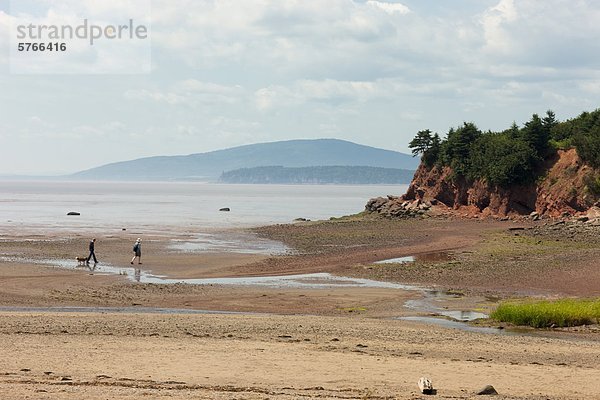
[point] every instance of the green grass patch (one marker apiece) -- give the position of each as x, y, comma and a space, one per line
545, 314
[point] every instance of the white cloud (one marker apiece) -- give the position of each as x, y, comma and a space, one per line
390, 8
494, 23
336, 90
552, 33
189, 92
305, 91
266, 98
144, 94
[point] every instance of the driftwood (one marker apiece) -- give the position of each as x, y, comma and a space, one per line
425, 385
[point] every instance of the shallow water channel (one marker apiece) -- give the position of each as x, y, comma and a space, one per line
437, 256
433, 302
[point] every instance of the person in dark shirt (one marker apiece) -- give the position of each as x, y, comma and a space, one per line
92, 254
137, 251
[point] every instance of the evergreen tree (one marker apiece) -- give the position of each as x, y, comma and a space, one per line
458, 147
421, 142
502, 160
549, 121
536, 135
426, 144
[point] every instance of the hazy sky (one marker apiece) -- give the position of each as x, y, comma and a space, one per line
232, 72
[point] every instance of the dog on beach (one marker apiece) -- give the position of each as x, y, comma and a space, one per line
81, 260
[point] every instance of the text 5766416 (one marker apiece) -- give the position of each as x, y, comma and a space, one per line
34, 46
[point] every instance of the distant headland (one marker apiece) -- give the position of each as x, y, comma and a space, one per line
318, 154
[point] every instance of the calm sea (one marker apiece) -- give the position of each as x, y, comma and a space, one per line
164, 207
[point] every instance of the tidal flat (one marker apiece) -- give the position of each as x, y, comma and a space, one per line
289, 341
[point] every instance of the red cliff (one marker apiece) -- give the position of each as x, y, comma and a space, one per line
561, 192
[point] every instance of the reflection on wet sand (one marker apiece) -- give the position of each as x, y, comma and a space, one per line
438, 256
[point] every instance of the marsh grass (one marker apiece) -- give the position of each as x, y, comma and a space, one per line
544, 314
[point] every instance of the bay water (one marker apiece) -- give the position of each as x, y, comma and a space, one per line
164, 207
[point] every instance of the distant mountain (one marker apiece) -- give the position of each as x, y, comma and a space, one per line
352, 175
292, 153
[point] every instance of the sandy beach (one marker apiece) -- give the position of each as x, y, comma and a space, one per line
270, 341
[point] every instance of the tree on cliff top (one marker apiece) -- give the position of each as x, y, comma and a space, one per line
426, 144
500, 158
514, 155
455, 151
536, 133
588, 146
502, 161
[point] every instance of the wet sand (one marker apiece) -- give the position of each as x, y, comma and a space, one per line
334, 342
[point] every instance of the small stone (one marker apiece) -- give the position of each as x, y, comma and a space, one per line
487, 390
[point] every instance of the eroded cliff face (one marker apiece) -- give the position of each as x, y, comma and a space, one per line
562, 192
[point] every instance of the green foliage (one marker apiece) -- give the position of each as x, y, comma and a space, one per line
515, 155
582, 132
421, 142
582, 124
543, 314
426, 144
588, 146
536, 135
318, 175
513, 132
563, 144
502, 160
456, 150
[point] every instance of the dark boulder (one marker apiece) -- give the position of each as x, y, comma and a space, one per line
487, 390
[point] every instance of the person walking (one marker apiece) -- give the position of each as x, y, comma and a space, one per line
137, 251
92, 254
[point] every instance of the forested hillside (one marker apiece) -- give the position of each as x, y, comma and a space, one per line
545, 166
352, 175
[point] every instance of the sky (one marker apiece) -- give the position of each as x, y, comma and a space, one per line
215, 74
